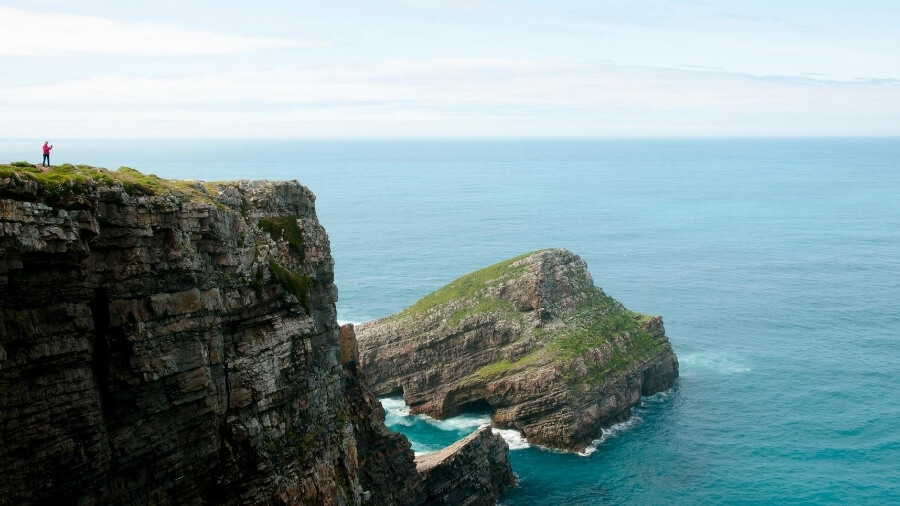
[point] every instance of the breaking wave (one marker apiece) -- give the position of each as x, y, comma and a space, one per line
513, 438
609, 432
415, 427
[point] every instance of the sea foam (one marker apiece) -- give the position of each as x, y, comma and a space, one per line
513, 438
609, 432
710, 362
397, 414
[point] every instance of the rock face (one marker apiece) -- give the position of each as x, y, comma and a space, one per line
531, 338
164, 345
448, 477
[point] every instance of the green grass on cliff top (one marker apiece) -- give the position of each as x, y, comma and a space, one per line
64, 179
469, 286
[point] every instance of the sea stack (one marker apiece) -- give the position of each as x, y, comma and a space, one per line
533, 340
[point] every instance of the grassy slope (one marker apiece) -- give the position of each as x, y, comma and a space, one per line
598, 325
471, 287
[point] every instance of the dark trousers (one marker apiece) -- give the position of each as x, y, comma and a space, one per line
46, 162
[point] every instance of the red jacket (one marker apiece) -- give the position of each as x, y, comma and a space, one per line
47, 149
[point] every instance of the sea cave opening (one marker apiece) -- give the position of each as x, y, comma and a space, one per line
475, 406
397, 391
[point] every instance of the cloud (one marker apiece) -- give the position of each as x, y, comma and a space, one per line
456, 97
27, 33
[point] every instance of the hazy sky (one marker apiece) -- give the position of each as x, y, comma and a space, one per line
454, 68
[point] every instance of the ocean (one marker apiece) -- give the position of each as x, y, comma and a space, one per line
775, 264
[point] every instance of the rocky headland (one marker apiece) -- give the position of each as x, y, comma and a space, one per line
174, 342
531, 339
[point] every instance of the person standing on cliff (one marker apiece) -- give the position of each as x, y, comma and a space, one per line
47, 148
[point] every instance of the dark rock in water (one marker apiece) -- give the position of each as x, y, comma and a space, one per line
167, 342
451, 477
530, 338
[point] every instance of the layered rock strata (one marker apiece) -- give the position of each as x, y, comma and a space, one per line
473, 471
533, 340
177, 343
448, 477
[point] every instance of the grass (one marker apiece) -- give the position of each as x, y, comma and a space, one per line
602, 324
596, 338
594, 333
485, 305
640, 346
285, 227
60, 181
469, 286
501, 368
297, 285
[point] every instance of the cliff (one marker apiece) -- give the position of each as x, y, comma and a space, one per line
447, 480
531, 338
176, 343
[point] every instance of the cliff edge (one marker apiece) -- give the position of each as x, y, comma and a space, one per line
533, 340
174, 342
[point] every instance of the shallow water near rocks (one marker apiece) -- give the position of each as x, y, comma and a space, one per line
775, 265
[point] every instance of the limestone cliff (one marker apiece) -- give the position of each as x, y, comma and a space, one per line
531, 338
176, 343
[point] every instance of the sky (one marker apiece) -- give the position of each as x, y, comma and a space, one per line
88, 69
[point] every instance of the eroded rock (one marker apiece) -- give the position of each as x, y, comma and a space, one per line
531, 338
473, 471
170, 349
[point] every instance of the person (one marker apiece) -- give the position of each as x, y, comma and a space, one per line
47, 148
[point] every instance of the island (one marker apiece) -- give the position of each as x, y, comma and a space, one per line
531, 340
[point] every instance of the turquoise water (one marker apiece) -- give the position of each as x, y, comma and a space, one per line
775, 264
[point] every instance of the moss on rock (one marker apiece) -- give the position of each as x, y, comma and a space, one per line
60, 181
285, 228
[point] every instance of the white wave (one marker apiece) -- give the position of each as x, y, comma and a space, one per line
609, 432
657, 397
395, 405
513, 438
396, 412
711, 362
459, 423
344, 322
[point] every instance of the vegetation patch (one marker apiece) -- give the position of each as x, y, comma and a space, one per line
285, 227
297, 285
595, 333
485, 305
470, 285
605, 326
503, 367
60, 181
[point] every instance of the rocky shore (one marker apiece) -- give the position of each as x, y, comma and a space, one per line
531, 339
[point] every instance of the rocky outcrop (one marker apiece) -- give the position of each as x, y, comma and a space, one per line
386, 472
531, 338
177, 343
450, 474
